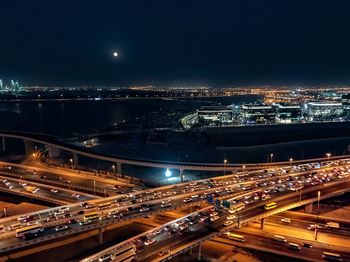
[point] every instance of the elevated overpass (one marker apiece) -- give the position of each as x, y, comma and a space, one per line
55, 144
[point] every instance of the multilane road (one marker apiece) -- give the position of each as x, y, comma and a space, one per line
327, 182
63, 178
144, 203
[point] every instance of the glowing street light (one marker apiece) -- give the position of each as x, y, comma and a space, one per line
225, 162
328, 155
113, 167
290, 161
71, 161
243, 167
168, 174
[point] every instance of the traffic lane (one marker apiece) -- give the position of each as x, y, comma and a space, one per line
77, 180
44, 190
175, 187
258, 241
63, 181
307, 224
314, 218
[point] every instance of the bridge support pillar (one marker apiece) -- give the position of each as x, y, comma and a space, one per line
308, 208
3, 143
262, 222
181, 172
75, 159
53, 152
119, 168
28, 147
100, 235
199, 257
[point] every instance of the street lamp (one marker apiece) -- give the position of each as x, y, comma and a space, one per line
225, 162
271, 157
168, 174
71, 162
328, 156
290, 161
113, 167
94, 187
243, 168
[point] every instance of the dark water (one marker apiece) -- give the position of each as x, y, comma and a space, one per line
64, 118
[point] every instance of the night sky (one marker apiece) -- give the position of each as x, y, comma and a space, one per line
180, 42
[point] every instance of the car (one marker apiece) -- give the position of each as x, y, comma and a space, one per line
285, 220
149, 242
307, 245
53, 190
204, 219
23, 184
8, 167
163, 252
144, 209
61, 228
106, 257
76, 195
84, 222
104, 217
157, 232
84, 204
49, 219
214, 218
187, 200
72, 221
166, 204
214, 214
35, 190
43, 177
113, 212
29, 236
313, 226
228, 223
63, 209
88, 206
14, 226
230, 217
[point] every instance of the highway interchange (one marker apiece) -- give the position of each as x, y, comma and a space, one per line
245, 186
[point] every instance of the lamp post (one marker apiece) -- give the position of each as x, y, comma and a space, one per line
113, 167
225, 162
71, 162
328, 156
94, 187
167, 174
243, 168
290, 161
271, 157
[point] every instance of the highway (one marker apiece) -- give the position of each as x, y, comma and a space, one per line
254, 210
125, 207
63, 178
50, 194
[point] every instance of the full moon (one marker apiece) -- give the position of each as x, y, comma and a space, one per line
115, 54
